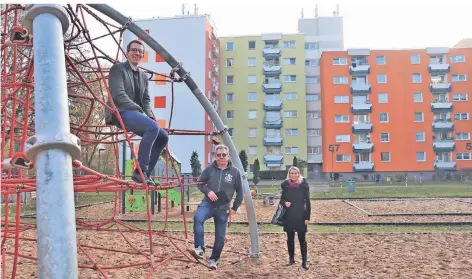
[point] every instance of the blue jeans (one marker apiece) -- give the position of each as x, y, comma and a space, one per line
153, 138
204, 212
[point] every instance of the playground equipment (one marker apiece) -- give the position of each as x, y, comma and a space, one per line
44, 131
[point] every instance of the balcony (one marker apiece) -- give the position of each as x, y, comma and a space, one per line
361, 89
272, 52
216, 50
441, 106
359, 70
362, 147
440, 87
273, 123
443, 126
439, 68
362, 128
444, 166
361, 108
272, 70
216, 70
444, 146
273, 141
273, 160
272, 105
363, 167
272, 87
314, 158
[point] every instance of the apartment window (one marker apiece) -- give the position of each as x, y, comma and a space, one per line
420, 136
416, 78
312, 63
251, 79
312, 80
384, 137
419, 117
461, 116
382, 78
289, 44
252, 96
312, 97
457, 59
229, 46
291, 150
251, 61
339, 61
209, 74
313, 150
463, 156
252, 150
229, 62
313, 132
229, 79
290, 61
383, 98
229, 97
380, 60
272, 97
459, 78
341, 99
460, 97
229, 114
344, 118
290, 96
462, 136
252, 45
343, 138
340, 80
290, 114
313, 114
418, 97
252, 132
420, 156
309, 46
385, 157
290, 78
383, 117
252, 114
415, 59
231, 132
343, 158
291, 132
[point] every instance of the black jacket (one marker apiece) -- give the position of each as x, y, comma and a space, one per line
300, 208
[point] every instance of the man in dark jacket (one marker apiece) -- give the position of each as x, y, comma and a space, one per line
130, 93
221, 180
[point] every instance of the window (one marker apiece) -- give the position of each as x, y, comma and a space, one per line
312, 97
252, 114
229, 114
381, 60
339, 61
341, 99
343, 158
252, 45
344, 118
229, 46
383, 117
251, 79
463, 156
252, 96
385, 156
231, 132
291, 132
459, 78
313, 114
416, 78
415, 59
290, 78
383, 98
420, 156
252, 132
313, 150
290, 114
290, 61
418, 97
420, 136
313, 132
460, 97
312, 80
272, 97
289, 44
229, 79
461, 116
309, 46
252, 150
290, 96
462, 136
251, 61
382, 78
229, 97
312, 63
340, 80
457, 59
229, 62
291, 150
419, 117
343, 138
384, 137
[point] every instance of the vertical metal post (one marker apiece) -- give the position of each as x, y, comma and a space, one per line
53, 150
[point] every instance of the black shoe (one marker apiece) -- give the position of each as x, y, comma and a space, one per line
305, 265
136, 177
156, 183
291, 260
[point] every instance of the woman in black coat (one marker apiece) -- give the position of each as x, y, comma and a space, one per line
296, 199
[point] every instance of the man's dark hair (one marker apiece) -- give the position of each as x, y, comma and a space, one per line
134, 42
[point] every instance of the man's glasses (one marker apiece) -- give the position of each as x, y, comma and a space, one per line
140, 51
221, 155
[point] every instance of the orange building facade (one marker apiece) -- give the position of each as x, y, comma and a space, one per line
396, 110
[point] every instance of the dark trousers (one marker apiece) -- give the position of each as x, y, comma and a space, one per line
291, 244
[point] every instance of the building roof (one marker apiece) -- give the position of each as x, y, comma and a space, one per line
465, 43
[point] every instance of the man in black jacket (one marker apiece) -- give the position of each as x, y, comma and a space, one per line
221, 180
130, 93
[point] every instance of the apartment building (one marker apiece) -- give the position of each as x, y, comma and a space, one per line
263, 97
396, 110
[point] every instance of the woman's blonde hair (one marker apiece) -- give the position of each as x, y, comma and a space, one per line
300, 178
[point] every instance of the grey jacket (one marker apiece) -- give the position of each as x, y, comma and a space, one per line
228, 180
121, 83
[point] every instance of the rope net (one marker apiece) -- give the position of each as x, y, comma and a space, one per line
88, 93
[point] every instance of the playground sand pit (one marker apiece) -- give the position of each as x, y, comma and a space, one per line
431, 206
387, 255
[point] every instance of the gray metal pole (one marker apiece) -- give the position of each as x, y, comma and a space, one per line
53, 147
148, 40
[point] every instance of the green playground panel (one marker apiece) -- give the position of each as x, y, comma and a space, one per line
136, 203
